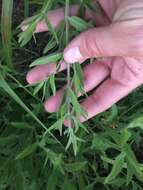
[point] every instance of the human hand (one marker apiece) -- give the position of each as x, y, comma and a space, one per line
117, 42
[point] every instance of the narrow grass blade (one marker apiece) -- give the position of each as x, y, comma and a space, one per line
52, 30
27, 151
26, 8
53, 58
6, 31
78, 23
5, 86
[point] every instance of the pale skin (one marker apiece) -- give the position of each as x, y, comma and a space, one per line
116, 42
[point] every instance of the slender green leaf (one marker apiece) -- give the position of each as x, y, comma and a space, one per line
26, 35
52, 30
21, 125
6, 31
5, 86
26, 8
76, 166
53, 58
78, 23
113, 114
101, 144
76, 106
52, 84
129, 174
117, 167
27, 151
124, 137
8, 140
55, 126
51, 44
133, 163
136, 123
79, 73
38, 87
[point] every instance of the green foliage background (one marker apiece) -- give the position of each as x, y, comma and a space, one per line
110, 157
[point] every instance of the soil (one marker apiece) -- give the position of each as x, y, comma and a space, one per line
18, 13
22, 57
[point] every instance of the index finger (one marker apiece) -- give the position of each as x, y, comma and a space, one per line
55, 17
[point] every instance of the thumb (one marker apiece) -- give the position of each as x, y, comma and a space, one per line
117, 39
96, 42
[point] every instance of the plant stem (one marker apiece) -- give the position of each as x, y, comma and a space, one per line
68, 64
26, 8
6, 30
66, 20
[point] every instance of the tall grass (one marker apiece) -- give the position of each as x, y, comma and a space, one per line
26, 8
6, 30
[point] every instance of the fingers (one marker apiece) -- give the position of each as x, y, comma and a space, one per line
91, 43
41, 72
104, 97
126, 75
94, 74
55, 17
53, 103
123, 38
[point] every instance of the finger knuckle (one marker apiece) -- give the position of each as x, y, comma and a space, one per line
90, 45
129, 17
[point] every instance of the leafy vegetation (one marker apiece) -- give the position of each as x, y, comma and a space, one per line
37, 152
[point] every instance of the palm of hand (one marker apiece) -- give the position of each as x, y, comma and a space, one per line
119, 72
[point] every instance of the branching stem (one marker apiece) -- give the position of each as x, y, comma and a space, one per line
68, 64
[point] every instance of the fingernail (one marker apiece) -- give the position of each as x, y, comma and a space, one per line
50, 107
73, 55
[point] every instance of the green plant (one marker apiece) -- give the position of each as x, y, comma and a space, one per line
70, 109
32, 152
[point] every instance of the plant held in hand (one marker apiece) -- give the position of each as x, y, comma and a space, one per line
69, 110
